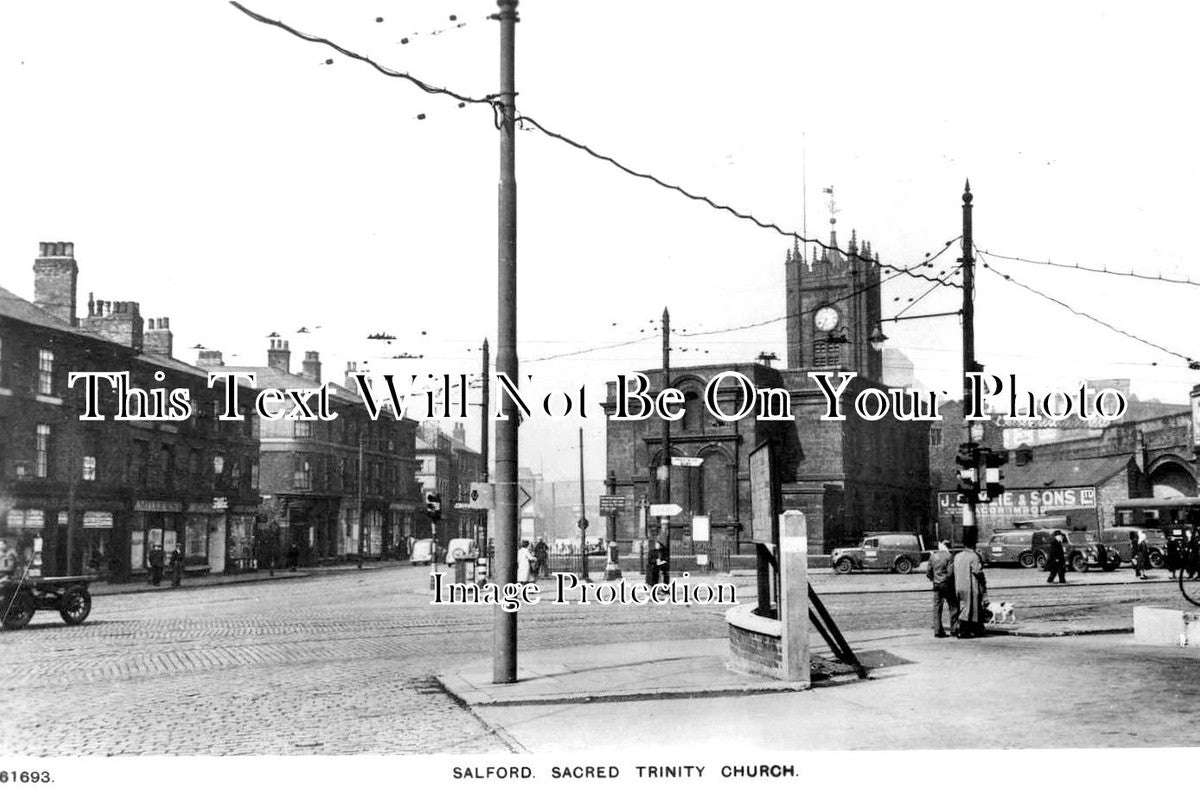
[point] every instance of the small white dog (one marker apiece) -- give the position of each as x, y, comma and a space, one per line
1001, 612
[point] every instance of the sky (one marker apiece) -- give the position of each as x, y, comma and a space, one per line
221, 173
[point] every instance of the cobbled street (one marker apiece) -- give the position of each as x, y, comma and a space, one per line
343, 662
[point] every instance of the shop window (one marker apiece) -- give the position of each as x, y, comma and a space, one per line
42, 455
935, 437
45, 372
303, 429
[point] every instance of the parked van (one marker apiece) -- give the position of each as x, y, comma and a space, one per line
1116, 540
1008, 548
899, 552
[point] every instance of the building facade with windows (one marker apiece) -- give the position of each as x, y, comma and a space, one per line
94, 496
334, 489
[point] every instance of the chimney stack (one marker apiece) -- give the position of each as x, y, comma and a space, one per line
207, 359
278, 356
460, 433
158, 339
55, 277
311, 366
118, 321
351, 368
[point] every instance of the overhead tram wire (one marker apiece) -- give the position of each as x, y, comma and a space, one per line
1096, 270
1192, 363
926, 263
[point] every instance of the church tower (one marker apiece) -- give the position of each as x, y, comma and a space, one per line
833, 307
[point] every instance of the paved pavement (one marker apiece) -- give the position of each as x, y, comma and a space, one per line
345, 662
924, 693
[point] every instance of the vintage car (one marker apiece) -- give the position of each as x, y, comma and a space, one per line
1009, 548
890, 550
1083, 550
1116, 541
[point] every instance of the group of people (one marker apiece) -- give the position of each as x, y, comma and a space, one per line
156, 560
533, 562
959, 585
1183, 555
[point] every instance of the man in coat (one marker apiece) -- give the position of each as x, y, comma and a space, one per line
969, 585
940, 571
156, 559
1056, 563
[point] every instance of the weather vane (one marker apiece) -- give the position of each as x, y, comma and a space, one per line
833, 209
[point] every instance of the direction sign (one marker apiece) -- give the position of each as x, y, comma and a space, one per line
686, 461
665, 509
528, 496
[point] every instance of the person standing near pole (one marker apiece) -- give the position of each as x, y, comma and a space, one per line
940, 571
969, 585
176, 567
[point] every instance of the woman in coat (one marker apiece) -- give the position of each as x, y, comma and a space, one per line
970, 586
524, 562
1141, 559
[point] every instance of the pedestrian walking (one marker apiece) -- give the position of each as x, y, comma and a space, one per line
970, 585
541, 559
155, 561
1056, 562
293, 556
1175, 554
940, 571
1141, 554
176, 565
524, 563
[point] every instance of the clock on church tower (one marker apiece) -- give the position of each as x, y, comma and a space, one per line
833, 306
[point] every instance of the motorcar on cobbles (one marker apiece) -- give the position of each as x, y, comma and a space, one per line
1009, 548
1083, 550
892, 551
1116, 541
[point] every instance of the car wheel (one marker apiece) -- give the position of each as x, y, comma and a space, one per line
1156, 560
1079, 563
75, 606
903, 566
20, 611
1027, 561
1040, 561
1112, 565
843, 566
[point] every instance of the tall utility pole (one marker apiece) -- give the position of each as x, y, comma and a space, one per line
665, 468
504, 659
583, 522
968, 270
483, 445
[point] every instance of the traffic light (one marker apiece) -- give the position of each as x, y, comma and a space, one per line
992, 462
433, 505
968, 471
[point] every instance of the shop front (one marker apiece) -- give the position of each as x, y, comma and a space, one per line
154, 523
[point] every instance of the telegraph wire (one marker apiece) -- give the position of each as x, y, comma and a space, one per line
1098, 270
922, 297
1192, 363
523, 121
771, 226
488, 100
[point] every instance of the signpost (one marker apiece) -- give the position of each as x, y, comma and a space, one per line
665, 509
686, 461
611, 504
